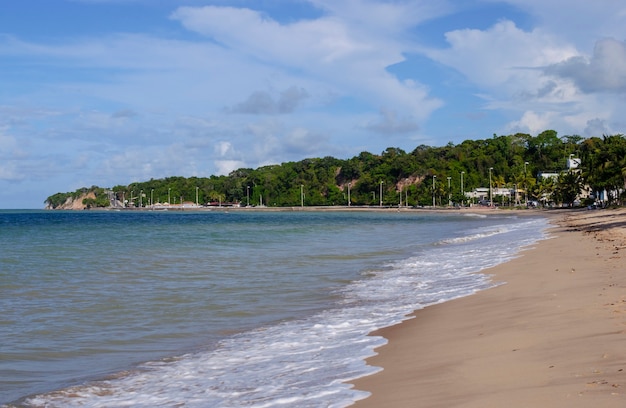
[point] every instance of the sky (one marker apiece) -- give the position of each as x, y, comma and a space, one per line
109, 92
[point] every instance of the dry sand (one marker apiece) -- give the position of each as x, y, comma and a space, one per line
553, 336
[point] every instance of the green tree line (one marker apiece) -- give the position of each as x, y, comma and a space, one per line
415, 178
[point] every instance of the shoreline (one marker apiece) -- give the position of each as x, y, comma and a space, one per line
553, 335
337, 208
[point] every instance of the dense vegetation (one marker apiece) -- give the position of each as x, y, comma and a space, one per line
101, 200
420, 177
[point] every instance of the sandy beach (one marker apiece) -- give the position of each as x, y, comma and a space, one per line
553, 336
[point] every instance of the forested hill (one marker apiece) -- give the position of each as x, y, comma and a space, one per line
418, 176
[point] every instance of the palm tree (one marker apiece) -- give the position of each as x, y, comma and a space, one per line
545, 190
216, 196
499, 182
568, 187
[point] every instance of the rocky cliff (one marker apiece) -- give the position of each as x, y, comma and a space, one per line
73, 203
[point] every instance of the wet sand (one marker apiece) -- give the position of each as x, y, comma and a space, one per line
553, 336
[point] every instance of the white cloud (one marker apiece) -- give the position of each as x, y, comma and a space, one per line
386, 17
224, 167
142, 72
300, 142
542, 75
347, 58
532, 122
605, 71
262, 102
503, 56
223, 148
580, 22
596, 127
390, 123
301, 43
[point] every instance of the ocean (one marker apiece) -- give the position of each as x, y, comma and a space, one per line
239, 308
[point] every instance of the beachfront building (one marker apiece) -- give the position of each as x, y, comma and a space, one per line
480, 195
572, 165
600, 197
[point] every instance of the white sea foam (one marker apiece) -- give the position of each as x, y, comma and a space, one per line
472, 237
308, 362
475, 215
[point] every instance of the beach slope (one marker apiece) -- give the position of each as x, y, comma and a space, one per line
553, 336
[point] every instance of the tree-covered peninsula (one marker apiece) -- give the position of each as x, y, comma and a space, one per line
534, 168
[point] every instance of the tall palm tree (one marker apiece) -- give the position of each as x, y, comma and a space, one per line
499, 182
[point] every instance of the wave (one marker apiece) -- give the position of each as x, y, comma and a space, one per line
474, 215
469, 238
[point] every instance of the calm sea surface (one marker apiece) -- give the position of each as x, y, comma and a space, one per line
223, 309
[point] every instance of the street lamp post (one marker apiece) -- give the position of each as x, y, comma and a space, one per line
152, 198
490, 192
301, 195
525, 185
248, 196
140, 198
462, 193
196, 196
449, 193
434, 177
381, 193
169, 197
349, 202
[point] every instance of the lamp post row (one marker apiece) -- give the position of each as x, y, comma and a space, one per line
349, 203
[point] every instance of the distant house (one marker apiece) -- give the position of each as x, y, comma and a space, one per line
548, 175
481, 194
573, 162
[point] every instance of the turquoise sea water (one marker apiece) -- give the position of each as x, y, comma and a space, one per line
223, 309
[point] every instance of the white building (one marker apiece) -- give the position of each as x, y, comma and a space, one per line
481, 194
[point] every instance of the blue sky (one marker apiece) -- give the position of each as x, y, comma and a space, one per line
107, 92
